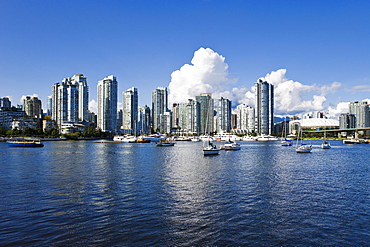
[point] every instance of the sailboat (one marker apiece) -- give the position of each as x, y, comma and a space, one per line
285, 141
301, 147
208, 147
325, 144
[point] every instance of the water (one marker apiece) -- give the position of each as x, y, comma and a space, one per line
82, 193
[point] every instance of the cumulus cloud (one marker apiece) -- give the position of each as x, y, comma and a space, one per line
207, 73
24, 97
293, 97
341, 107
93, 106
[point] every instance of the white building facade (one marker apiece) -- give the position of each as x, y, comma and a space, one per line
130, 110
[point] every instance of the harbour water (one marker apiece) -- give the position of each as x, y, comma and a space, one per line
81, 193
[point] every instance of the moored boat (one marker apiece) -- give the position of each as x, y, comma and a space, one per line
32, 143
231, 146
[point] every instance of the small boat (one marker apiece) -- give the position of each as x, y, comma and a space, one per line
209, 148
125, 138
304, 148
325, 145
231, 146
165, 143
286, 142
29, 143
140, 140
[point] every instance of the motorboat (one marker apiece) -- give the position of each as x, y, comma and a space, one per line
249, 138
125, 138
165, 143
231, 146
325, 145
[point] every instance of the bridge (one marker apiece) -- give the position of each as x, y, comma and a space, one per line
356, 130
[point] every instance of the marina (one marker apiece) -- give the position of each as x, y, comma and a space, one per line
126, 194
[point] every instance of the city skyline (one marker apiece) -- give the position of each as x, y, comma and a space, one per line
319, 49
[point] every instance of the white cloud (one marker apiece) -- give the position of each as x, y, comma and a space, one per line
341, 107
24, 96
360, 89
93, 106
207, 73
293, 97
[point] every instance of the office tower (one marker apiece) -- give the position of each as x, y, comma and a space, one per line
107, 104
130, 110
49, 110
206, 112
32, 107
361, 112
176, 116
5, 103
245, 118
144, 120
264, 107
189, 117
70, 100
347, 121
223, 115
165, 123
83, 96
159, 106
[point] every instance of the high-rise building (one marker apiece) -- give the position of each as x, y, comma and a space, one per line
5, 103
189, 117
70, 100
83, 96
361, 112
49, 110
107, 104
264, 107
347, 121
130, 110
159, 106
176, 116
144, 120
223, 115
32, 107
206, 112
245, 118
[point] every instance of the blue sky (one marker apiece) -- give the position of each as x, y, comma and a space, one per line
143, 42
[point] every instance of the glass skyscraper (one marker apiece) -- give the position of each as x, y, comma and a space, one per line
107, 104
130, 110
264, 107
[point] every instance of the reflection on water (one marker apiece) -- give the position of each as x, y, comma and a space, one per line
85, 193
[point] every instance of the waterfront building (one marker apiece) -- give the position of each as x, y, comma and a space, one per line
159, 107
107, 104
70, 100
144, 120
264, 116
206, 112
189, 117
165, 123
223, 115
245, 118
130, 110
361, 112
9, 115
347, 121
312, 124
49, 105
176, 115
5, 103
32, 107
